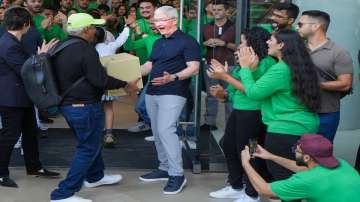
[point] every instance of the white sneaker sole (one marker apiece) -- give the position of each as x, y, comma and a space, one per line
153, 180
178, 191
98, 184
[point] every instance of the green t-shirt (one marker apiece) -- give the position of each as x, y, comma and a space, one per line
321, 184
239, 99
93, 5
145, 42
55, 31
145, 28
281, 111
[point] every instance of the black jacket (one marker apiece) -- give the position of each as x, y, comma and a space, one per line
12, 57
77, 60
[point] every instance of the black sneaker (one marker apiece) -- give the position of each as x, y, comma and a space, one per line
7, 182
175, 184
44, 173
156, 175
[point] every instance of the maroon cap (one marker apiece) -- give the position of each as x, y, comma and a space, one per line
319, 148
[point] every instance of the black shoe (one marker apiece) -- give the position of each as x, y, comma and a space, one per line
208, 127
156, 175
175, 185
44, 173
7, 182
46, 120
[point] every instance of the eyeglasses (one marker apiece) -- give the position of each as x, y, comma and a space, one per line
300, 24
162, 20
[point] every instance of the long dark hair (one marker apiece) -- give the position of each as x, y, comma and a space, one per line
304, 77
256, 37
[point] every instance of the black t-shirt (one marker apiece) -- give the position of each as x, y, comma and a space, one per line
170, 55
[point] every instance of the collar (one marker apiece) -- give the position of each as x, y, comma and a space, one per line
328, 45
77, 37
12, 37
173, 35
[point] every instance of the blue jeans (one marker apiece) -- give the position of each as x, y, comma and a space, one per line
140, 107
87, 123
329, 123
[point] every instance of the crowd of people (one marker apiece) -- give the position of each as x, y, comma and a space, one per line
281, 86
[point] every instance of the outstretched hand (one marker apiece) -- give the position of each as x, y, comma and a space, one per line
132, 87
45, 47
248, 57
162, 80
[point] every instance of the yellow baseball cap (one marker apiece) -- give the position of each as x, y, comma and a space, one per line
80, 20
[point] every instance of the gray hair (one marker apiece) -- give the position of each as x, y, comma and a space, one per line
169, 11
75, 31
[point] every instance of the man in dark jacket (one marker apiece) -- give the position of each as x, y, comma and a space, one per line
82, 107
16, 109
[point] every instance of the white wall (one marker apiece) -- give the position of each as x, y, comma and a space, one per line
345, 31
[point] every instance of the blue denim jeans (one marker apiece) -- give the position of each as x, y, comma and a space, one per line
87, 123
329, 123
140, 107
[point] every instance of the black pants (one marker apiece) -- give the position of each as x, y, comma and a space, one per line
240, 127
14, 122
280, 145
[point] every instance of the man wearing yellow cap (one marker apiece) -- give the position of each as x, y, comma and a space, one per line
82, 107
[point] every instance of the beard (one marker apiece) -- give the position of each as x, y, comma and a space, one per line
300, 161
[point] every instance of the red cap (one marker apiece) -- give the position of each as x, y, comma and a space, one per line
319, 148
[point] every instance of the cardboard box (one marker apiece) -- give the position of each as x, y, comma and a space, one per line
122, 66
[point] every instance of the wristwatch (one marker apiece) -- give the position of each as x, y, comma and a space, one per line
176, 77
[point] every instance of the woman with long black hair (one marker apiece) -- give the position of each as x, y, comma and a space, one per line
290, 94
244, 122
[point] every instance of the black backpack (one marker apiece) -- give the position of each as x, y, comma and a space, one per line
39, 79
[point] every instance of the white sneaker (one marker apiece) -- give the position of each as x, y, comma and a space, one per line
227, 192
139, 127
246, 198
150, 138
72, 199
106, 180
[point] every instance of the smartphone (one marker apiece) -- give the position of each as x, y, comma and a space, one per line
236, 58
252, 146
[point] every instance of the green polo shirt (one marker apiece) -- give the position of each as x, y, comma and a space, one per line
55, 31
145, 28
281, 111
321, 184
239, 99
145, 42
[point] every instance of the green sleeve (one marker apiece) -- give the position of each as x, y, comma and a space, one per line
55, 32
131, 44
293, 188
37, 20
231, 90
268, 84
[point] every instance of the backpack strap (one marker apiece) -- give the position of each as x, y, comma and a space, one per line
77, 82
59, 47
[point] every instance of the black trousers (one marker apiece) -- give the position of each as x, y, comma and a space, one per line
240, 127
280, 145
14, 122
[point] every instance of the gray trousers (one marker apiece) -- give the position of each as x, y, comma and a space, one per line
211, 103
164, 111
